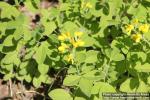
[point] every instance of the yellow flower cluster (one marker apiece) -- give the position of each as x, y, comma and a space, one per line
75, 41
64, 36
136, 30
69, 42
78, 42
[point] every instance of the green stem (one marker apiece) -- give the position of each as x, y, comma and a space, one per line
74, 55
106, 69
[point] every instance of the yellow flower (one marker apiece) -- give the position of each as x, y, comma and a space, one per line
144, 28
63, 47
78, 34
75, 44
88, 5
129, 28
79, 43
62, 37
135, 21
70, 58
136, 37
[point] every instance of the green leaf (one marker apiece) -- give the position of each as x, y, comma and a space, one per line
8, 41
87, 68
89, 41
43, 69
143, 68
49, 27
80, 57
8, 67
60, 94
97, 13
8, 10
134, 85
22, 71
86, 86
104, 23
121, 66
21, 29
91, 56
11, 58
27, 34
54, 12
40, 54
28, 78
8, 76
71, 80
142, 87
3, 28
45, 14
70, 27
43, 78
93, 75
108, 52
72, 70
100, 87
18, 33
36, 82
139, 11
23, 64
116, 55
129, 85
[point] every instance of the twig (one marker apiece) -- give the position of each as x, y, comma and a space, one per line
29, 92
22, 89
10, 87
